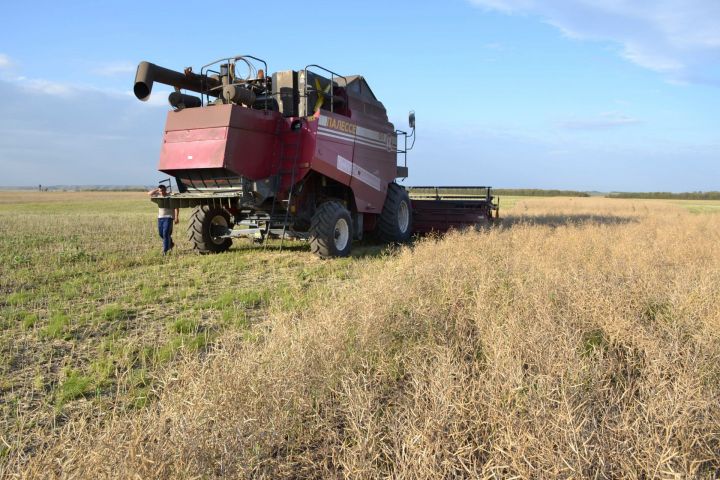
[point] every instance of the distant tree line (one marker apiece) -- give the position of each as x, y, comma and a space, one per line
536, 192
83, 188
668, 195
116, 189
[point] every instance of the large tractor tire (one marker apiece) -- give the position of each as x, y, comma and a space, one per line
331, 230
207, 224
395, 223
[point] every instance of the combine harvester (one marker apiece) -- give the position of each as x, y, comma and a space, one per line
305, 154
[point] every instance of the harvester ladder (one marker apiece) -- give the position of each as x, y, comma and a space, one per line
293, 171
294, 146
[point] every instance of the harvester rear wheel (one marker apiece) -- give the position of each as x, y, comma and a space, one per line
207, 224
331, 230
395, 223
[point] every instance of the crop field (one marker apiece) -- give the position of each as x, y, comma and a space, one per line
579, 338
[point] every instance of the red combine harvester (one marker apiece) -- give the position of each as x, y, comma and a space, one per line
299, 154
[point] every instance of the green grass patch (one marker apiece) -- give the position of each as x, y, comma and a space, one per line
103, 370
57, 325
168, 351
17, 299
655, 311
73, 254
200, 341
38, 382
508, 202
702, 208
236, 319
61, 283
115, 312
593, 341
28, 320
238, 299
185, 325
74, 386
141, 396
150, 293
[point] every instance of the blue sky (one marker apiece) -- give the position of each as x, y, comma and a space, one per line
589, 94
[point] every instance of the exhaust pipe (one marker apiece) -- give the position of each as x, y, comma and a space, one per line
148, 73
179, 101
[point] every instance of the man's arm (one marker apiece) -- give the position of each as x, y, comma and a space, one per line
177, 216
154, 192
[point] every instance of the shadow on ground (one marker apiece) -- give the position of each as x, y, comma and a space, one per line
565, 220
369, 248
360, 249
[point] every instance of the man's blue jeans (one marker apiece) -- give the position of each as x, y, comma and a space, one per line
165, 227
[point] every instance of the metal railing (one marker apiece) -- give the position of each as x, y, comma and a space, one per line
307, 88
450, 193
205, 70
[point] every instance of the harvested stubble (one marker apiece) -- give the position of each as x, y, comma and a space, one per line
581, 344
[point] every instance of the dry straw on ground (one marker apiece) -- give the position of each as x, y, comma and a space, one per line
580, 339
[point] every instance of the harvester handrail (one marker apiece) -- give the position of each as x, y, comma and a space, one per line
235, 58
405, 146
206, 68
332, 80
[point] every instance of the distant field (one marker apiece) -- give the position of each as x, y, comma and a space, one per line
693, 206
580, 338
713, 195
699, 206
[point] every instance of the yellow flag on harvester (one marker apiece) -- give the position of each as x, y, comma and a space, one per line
321, 95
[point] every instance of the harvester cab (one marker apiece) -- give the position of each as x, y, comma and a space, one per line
307, 154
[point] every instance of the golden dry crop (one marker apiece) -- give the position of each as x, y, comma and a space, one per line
579, 339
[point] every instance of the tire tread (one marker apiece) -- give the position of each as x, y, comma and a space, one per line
196, 231
322, 229
387, 223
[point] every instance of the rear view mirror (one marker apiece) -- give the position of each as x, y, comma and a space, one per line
411, 119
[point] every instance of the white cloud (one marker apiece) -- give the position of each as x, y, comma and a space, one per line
601, 122
561, 159
494, 46
506, 6
45, 87
114, 69
76, 135
158, 98
5, 61
680, 38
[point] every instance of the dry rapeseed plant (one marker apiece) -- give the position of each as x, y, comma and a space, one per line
579, 339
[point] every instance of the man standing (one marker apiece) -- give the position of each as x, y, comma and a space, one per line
166, 218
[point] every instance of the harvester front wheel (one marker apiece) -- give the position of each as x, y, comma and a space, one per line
207, 225
331, 231
395, 223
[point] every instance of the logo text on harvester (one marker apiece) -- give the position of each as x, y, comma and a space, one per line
341, 125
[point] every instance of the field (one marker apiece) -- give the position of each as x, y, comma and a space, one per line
579, 338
